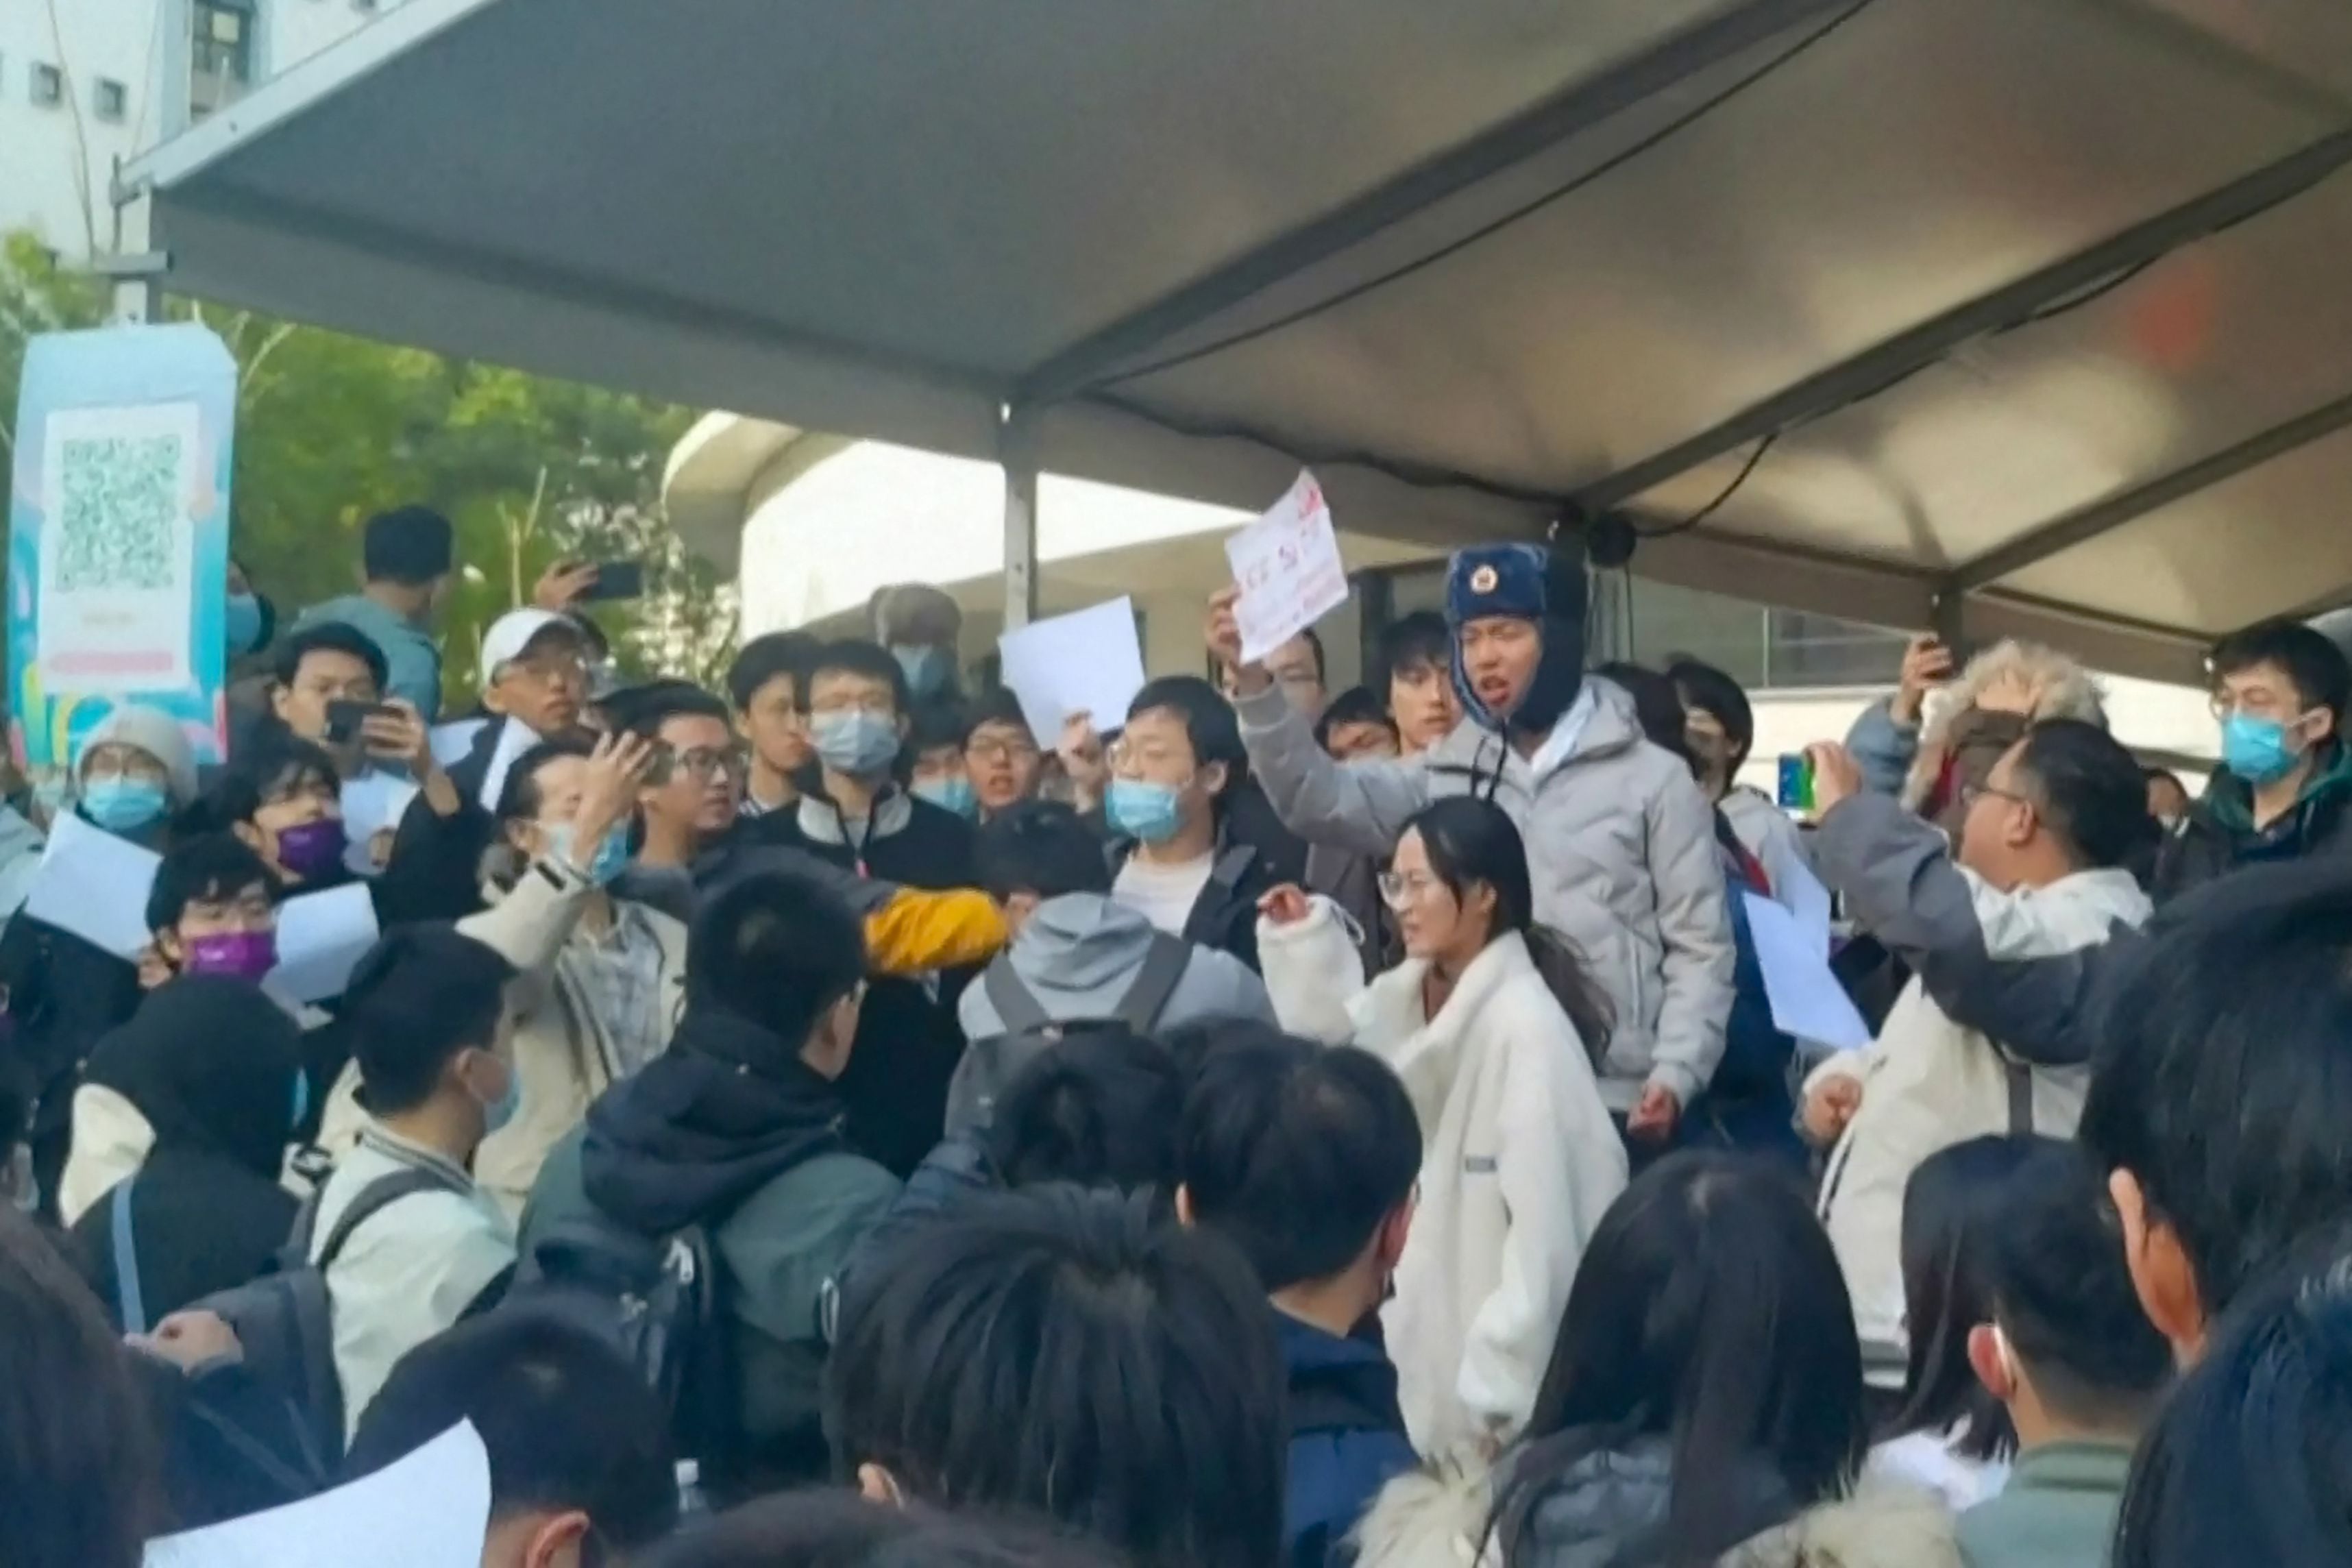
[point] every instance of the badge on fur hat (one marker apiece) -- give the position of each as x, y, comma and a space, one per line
1483, 580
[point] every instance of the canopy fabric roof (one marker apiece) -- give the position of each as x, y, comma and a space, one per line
2005, 315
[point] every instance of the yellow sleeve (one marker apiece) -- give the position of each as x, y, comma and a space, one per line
916, 932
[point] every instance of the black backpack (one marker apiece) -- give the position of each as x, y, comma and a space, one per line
991, 1064
285, 1320
656, 1299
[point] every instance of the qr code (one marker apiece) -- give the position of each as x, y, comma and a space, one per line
119, 506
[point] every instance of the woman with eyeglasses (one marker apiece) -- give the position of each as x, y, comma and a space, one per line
1493, 1025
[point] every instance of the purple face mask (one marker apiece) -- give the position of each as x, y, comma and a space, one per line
314, 848
240, 954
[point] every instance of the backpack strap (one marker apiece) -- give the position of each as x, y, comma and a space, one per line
1164, 963
377, 1196
131, 1303
1017, 1008
2021, 1096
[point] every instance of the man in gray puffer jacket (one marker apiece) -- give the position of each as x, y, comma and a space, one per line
1621, 843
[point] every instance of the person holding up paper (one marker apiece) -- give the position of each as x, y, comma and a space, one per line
2046, 847
131, 773
1619, 838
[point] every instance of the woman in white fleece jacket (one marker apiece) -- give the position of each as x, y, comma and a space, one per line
1519, 1158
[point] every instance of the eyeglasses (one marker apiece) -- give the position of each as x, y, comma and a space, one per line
1971, 794
550, 669
1399, 888
1004, 750
704, 762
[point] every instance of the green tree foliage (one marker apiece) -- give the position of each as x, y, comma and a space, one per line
332, 429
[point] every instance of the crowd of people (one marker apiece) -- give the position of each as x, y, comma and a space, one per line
824, 1122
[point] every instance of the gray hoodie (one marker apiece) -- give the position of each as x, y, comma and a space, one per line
1078, 955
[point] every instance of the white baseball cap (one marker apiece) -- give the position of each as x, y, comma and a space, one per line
512, 635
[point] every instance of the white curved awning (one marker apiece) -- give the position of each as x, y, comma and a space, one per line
2031, 305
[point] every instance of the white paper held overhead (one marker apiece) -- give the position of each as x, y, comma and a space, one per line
431, 1510
1086, 662
1287, 566
321, 937
1807, 1000
94, 885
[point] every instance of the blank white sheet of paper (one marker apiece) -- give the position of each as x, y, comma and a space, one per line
1086, 662
321, 938
1807, 1000
431, 1510
94, 885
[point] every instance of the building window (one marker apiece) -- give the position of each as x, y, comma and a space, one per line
220, 63
48, 85
112, 100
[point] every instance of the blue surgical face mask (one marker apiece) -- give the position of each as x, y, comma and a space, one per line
501, 1110
611, 854
2257, 750
122, 804
242, 626
927, 668
1146, 812
953, 792
856, 742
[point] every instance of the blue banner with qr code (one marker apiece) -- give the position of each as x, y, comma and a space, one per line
117, 537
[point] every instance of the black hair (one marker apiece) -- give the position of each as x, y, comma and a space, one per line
1297, 1154
2247, 1462
2089, 790
2155, 774
935, 724
274, 760
642, 711
1314, 641
820, 1528
1708, 1311
856, 656
1040, 846
80, 1474
787, 655
1098, 1108
1473, 840
206, 866
2224, 1083
777, 948
328, 636
1071, 1355
519, 798
1209, 722
1357, 705
1949, 1209
421, 995
1411, 643
568, 1423
2061, 1291
410, 545
1657, 707
994, 705
2310, 659
1707, 690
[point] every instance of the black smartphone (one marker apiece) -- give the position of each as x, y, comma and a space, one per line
344, 718
617, 580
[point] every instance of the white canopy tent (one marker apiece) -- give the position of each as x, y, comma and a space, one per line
1998, 315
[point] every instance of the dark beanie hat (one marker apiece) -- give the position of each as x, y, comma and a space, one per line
1530, 582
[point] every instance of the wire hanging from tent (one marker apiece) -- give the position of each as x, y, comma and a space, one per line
1711, 508
1606, 166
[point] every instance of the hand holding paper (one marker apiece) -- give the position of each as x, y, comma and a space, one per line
1289, 568
94, 885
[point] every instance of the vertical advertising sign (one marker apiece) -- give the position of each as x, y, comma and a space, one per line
117, 537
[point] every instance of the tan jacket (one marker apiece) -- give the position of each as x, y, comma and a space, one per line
563, 1050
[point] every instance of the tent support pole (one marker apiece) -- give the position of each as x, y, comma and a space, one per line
1016, 453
